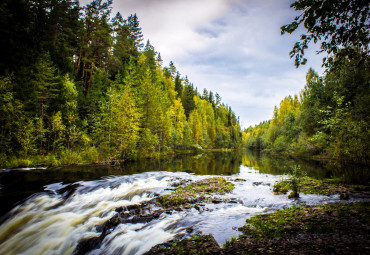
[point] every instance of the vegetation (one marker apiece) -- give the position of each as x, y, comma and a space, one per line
303, 219
308, 185
78, 86
342, 28
292, 183
329, 118
196, 192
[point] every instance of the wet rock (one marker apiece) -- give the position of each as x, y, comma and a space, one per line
257, 183
190, 229
198, 244
68, 190
239, 180
88, 245
233, 201
197, 207
142, 218
343, 196
216, 201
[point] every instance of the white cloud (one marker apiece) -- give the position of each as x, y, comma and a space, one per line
171, 25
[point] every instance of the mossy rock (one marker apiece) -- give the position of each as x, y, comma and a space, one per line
198, 191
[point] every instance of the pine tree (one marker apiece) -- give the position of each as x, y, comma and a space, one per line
188, 98
45, 84
178, 85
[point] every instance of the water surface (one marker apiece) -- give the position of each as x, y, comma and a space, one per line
52, 209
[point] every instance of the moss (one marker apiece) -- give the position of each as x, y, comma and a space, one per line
328, 186
271, 225
196, 192
308, 185
229, 243
198, 244
293, 194
281, 187
317, 220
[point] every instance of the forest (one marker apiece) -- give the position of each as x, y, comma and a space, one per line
329, 118
79, 85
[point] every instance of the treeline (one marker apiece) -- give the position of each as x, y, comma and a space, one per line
330, 117
79, 86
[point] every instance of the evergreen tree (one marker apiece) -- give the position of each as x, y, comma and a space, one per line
46, 88
178, 85
188, 98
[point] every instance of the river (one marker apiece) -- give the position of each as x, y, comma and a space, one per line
49, 210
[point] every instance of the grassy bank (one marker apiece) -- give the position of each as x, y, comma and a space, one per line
88, 155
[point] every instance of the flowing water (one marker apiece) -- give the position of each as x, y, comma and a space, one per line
53, 209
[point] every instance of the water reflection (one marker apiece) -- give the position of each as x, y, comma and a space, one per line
319, 169
220, 163
18, 185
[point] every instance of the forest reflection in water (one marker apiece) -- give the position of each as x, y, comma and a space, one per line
227, 163
18, 185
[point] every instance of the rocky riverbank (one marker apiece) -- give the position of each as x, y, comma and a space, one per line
340, 228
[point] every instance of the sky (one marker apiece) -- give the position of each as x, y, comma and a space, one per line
232, 47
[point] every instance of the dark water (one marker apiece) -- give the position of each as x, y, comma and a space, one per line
17, 185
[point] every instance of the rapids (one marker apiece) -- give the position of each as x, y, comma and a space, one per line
55, 220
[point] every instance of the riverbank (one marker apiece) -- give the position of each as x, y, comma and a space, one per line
86, 156
312, 156
339, 228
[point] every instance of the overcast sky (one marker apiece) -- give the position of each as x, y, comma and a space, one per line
233, 47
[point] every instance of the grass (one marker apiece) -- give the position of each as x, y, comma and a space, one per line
292, 183
228, 243
297, 182
66, 157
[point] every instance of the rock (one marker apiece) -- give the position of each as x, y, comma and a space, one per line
190, 229
87, 245
343, 196
216, 201
199, 244
257, 183
239, 180
232, 201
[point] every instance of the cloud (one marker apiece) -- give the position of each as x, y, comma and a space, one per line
171, 25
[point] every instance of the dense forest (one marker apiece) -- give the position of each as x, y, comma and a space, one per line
77, 84
330, 117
